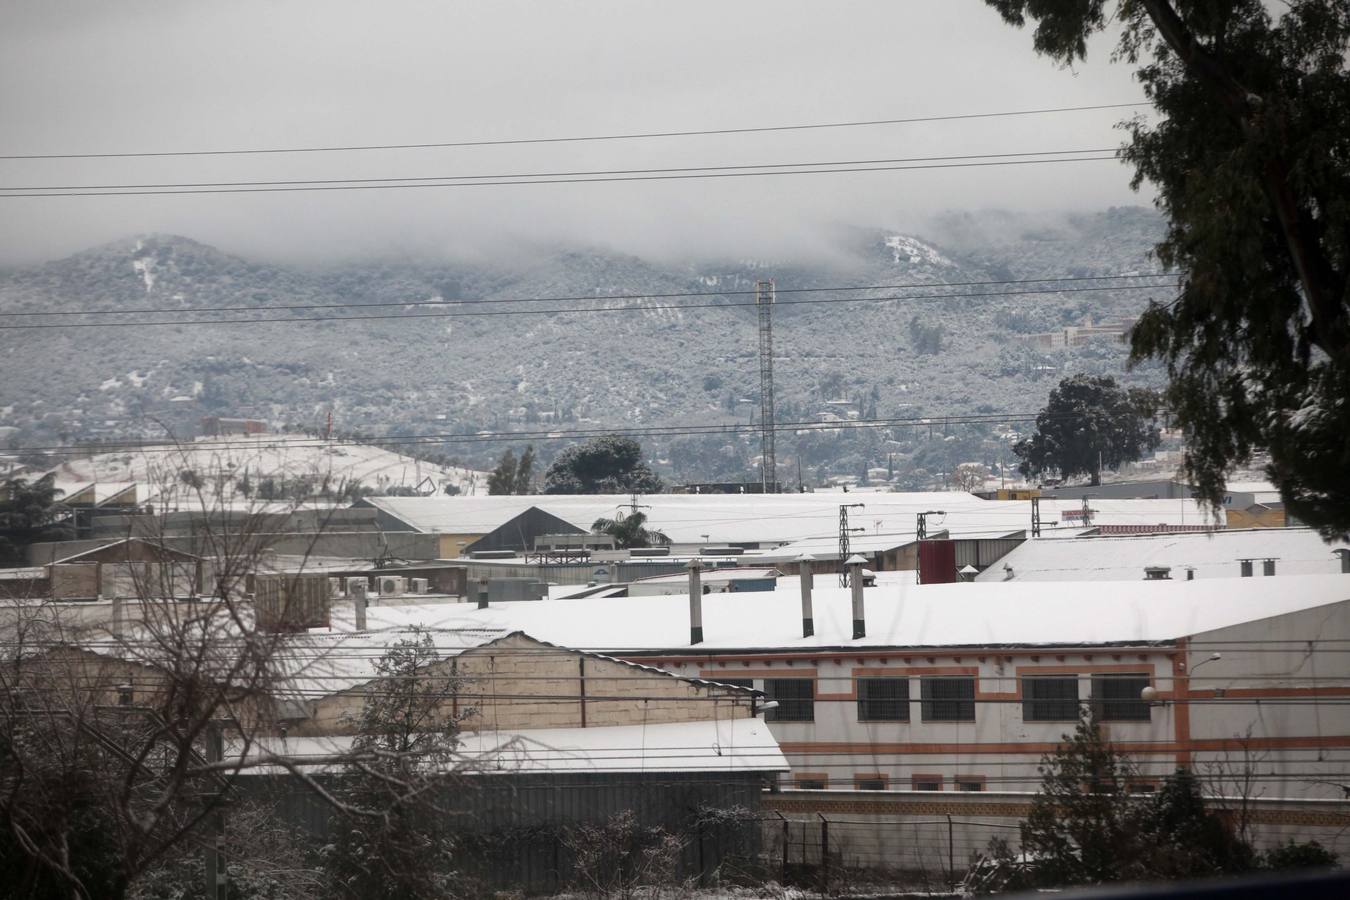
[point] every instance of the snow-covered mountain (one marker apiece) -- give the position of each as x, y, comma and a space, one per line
455, 364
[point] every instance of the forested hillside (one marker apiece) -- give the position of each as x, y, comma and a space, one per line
957, 343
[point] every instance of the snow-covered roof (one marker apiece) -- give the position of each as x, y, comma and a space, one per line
780, 518
715, 576
866, 544
320, 663
102, 491
1299, 551
726, 745
900, 613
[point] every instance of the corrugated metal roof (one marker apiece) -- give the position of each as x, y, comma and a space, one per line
900, 613
1300, 551
780, 518
727, 745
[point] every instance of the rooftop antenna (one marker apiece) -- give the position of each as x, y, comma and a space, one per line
764, 297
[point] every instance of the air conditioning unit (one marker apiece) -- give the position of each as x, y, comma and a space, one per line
392, 585
420, 585
353, 581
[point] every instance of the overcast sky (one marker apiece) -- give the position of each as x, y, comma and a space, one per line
134, 76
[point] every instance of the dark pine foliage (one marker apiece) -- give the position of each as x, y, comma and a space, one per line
1250, 155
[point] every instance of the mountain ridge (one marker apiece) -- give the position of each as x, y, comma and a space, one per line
669, 361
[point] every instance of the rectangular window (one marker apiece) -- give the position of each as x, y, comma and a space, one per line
811, 781
925, 782
948, 698
883, 699
869, 782
1049, 698
1115, 698
969, 783
796, 699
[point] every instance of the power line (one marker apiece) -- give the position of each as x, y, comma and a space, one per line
588, 298
628, 136
556, 434
599, 180
574, 310
573, 174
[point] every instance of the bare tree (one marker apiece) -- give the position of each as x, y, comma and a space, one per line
113, 727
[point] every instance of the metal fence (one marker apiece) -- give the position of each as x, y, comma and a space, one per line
832, 851
521, 832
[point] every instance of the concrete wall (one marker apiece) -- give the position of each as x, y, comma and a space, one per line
518, 683
1277, 702
78, 581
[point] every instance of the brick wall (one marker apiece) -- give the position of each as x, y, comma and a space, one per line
518, 683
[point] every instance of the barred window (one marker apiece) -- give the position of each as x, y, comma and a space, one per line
869, 782
1049, 698
796, 699
883, 699
948, 698
1115, 698
969, 784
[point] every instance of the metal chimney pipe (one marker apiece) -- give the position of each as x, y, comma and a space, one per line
855, 579
118, 616
807, 578
695, 601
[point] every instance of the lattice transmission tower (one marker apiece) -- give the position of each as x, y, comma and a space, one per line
764, 296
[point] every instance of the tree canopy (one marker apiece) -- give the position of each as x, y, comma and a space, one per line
1250, 155
1089, 825
610, 464
513, 476
1089, 424
30, 512
631, 531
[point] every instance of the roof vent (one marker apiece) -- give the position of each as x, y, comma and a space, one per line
1157, 573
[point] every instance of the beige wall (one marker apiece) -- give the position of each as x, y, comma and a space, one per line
517, 684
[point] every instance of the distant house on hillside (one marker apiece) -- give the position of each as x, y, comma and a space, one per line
217, 426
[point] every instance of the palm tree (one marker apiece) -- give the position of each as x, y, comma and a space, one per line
630, 531
31, 512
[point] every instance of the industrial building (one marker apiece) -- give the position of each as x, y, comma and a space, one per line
965, 686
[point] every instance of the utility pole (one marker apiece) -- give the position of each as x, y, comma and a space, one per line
1035, 517
844, 532
217, 875
921, 532
764, 297
1087, 511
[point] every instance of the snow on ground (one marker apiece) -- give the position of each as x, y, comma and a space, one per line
268, 456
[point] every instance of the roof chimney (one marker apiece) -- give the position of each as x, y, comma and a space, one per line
695, 601
807, 578
1246, 568
118, 616
483, 592
1267, 566
1344, 554
855, 579
358, 592
1157, 573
